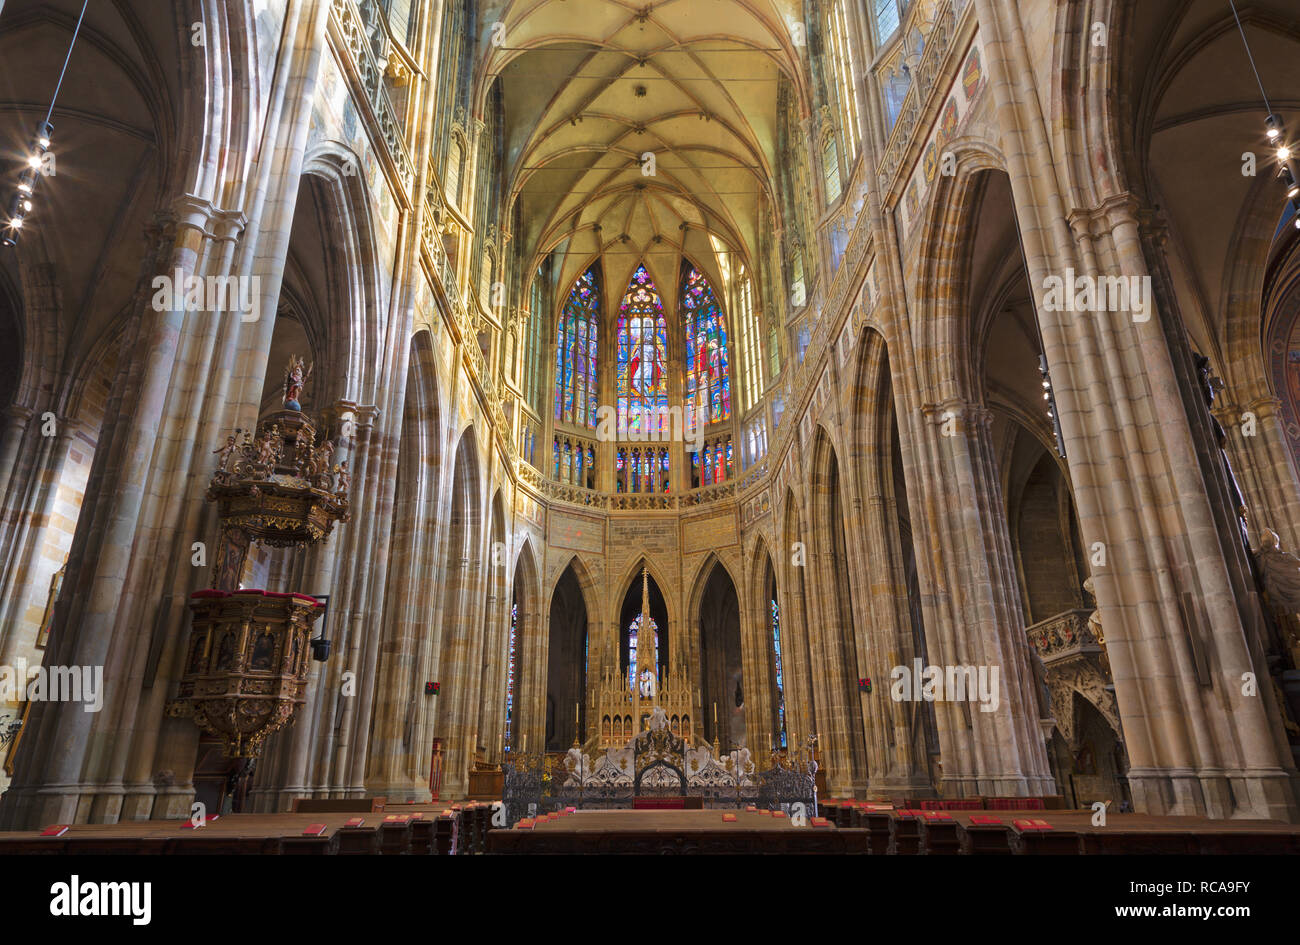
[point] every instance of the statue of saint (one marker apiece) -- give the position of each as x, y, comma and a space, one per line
647, 683
295, 376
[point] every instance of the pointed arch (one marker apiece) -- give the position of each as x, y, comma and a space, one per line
947, 262
463, 552
691, 605
631, 574
582, 572
635, 644
716, 631
571, 622
841, 724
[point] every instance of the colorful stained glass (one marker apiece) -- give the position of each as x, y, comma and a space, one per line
575, 352
780, 674
708, 374
632, 634
642, 384
510, 667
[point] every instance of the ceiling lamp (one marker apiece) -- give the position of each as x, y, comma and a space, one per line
38, 157
1274, 128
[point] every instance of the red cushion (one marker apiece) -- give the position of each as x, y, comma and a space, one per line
251, 591
1032, 825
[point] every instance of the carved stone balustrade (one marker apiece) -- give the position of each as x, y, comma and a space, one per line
1063, 637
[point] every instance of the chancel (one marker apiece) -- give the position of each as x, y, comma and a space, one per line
591, 426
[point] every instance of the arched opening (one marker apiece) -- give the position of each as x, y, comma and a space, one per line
786, 620
493, 644
776, 638
721, 673
643, 648
841, 731
455, 734
1037, 500
566, 666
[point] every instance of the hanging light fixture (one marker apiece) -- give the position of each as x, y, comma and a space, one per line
1050, 397
38, 154
1274, 128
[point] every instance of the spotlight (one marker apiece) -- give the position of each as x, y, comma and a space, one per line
34, 161
1274, 125
1284, 153
16, 223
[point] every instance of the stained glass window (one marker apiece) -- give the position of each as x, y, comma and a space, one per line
632, 634
708, 378
510, 667
575, 352
642, 358
780, 673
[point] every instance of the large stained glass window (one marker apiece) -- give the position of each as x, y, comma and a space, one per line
575, 352
708, 377
780, 673
642, 358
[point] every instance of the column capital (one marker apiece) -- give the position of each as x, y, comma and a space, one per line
192, 211
227, 225
19, 412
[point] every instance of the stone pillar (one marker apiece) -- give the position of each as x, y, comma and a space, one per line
1257, 446
990, 747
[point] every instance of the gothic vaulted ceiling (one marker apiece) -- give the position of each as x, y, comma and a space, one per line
591, 86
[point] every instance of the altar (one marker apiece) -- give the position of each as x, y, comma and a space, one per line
658, 763
625, 702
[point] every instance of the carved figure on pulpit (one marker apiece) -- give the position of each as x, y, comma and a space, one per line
268, 447
648, 685
223, 454
658, 720
318, 467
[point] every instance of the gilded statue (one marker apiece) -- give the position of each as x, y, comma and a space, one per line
295, 376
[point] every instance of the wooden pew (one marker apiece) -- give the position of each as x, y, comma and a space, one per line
938, 833
983, 834
904, 832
